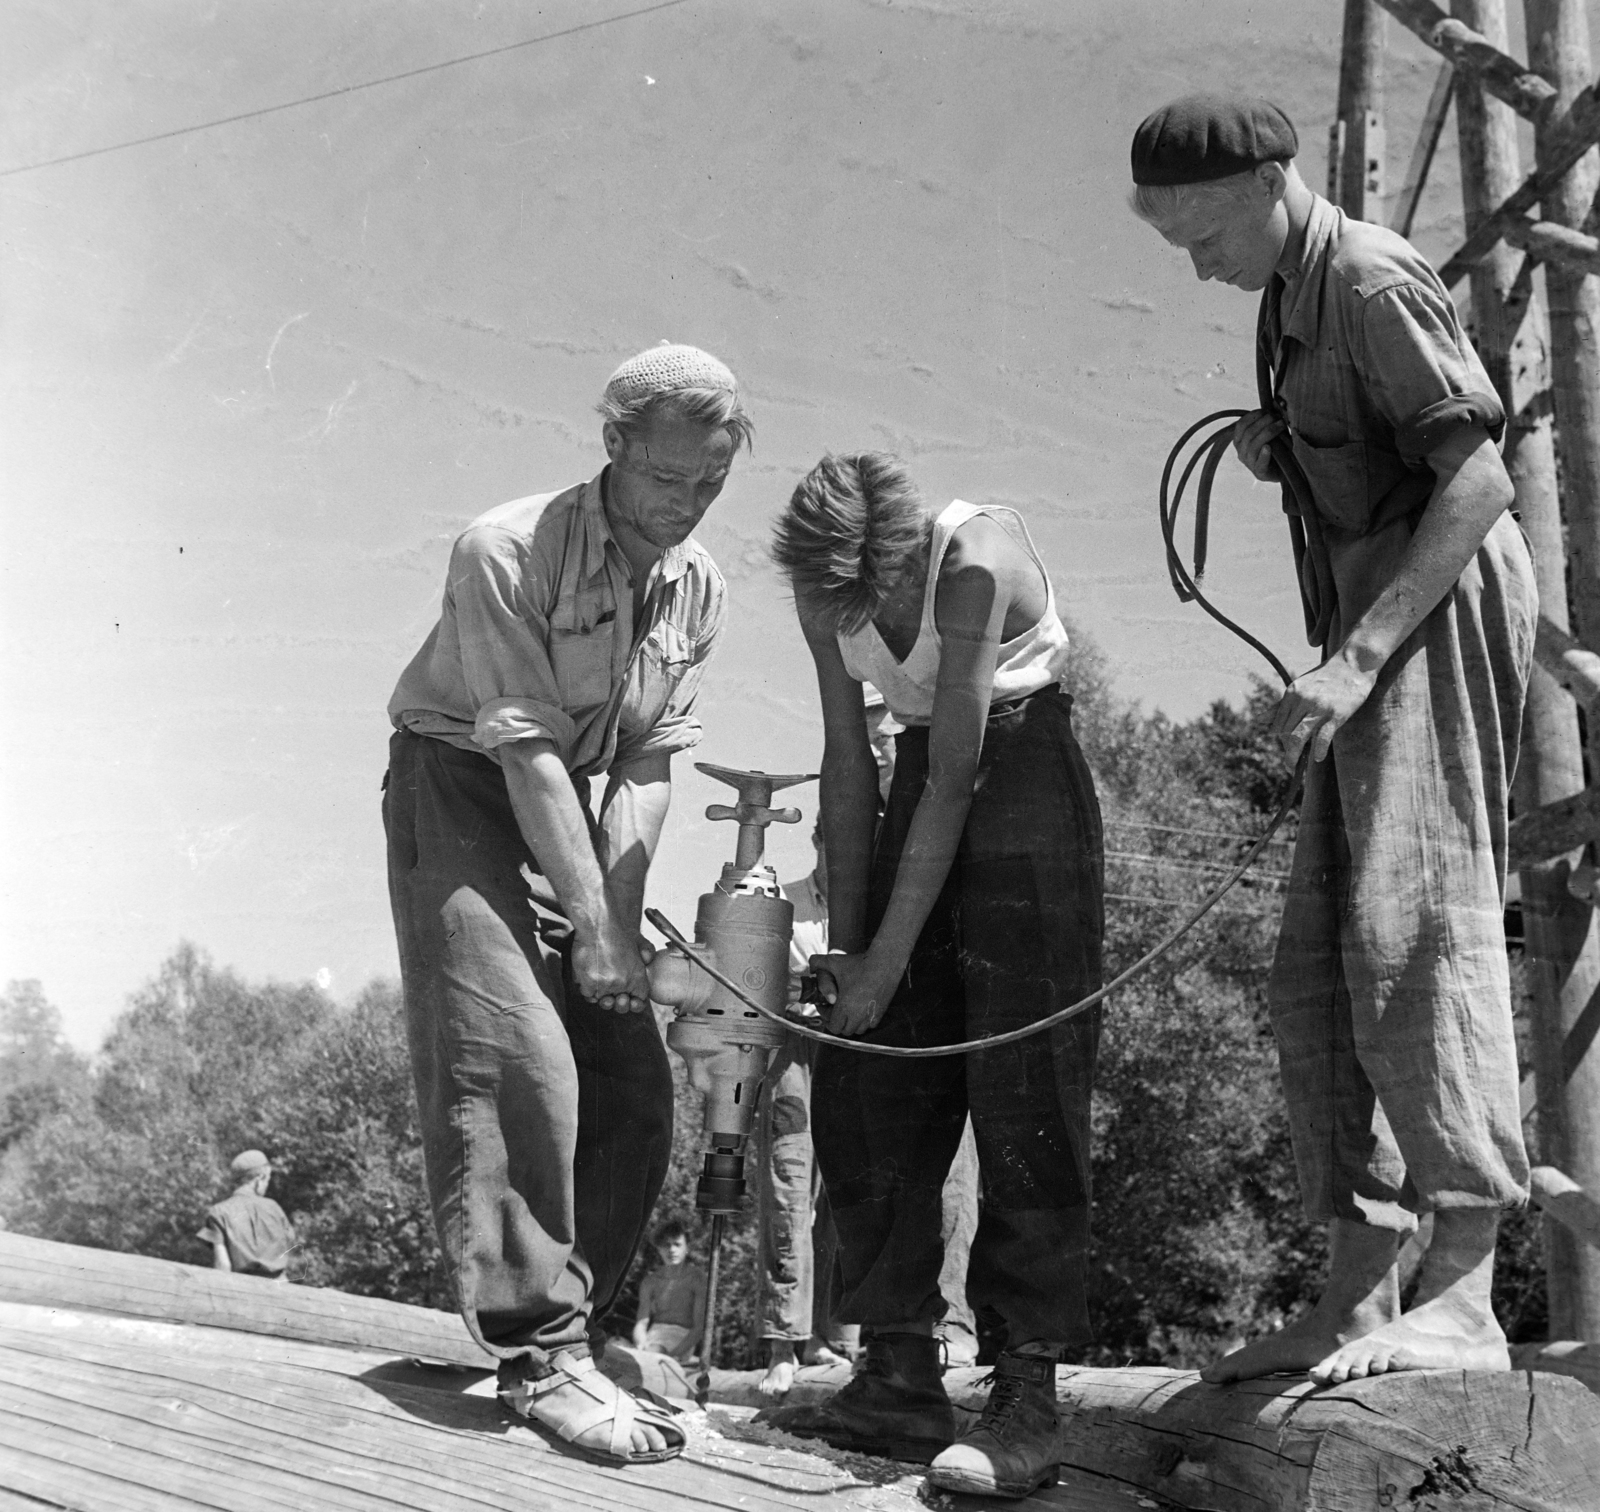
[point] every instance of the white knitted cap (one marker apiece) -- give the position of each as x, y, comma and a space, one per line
666, 369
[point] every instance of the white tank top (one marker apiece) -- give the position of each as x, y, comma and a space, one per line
1034, 660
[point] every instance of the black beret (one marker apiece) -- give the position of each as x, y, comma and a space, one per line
1204, 136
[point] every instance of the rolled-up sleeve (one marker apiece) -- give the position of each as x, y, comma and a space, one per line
1420, 374
677, 652
504, 642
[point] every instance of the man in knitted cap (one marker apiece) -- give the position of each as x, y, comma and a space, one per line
1389, 992
575, 630
248, 1232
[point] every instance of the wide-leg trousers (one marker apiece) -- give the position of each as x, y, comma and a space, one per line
546, 1120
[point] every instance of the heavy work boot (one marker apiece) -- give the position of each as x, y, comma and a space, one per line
894, 1406
1015, 1447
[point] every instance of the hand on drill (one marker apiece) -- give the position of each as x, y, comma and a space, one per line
610, 970
857, 989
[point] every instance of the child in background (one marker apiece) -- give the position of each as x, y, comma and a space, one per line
672, 1299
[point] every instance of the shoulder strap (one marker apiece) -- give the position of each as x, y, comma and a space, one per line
952, 517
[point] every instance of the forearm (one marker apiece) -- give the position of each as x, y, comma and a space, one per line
556, 830
925, 861
849, 803
631, 817
1466, 502
219, 1256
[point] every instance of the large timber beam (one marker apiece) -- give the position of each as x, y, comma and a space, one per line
1490, 1440
1505, 78
1554, 830
1567, 141
1548, 242
43, 1273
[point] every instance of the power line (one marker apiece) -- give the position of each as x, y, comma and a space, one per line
1117, 897
1171, 829
1183, 864
333, 94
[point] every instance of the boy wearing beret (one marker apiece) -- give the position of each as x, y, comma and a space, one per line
1389, 991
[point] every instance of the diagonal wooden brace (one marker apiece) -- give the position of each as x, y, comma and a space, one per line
1548, 242
1569, 661
1567, 141
1567, 1202
1553, 830
1526, 92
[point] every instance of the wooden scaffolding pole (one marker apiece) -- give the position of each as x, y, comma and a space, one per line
1567, 1063
1356, 138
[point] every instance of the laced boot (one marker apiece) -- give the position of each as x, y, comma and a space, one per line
1014, 1448
894, 1406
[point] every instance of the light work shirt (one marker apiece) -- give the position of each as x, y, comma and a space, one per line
1372, 371
536, 639
810, 935
255, 1229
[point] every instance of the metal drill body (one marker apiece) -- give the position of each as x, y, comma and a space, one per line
743, 927
726, 1045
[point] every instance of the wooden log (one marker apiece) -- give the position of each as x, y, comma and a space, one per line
1567, 1064
1554, 830
1569, 661
1565, 143
1356, 141
1564, 1200
1556, 244
1568, 1357
40, 1271
1505, 78
1431, 1441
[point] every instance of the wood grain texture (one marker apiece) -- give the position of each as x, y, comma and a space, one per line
100, 1413
1428, 1441
39, 1271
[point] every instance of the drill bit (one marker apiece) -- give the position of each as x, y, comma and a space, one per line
702, 1387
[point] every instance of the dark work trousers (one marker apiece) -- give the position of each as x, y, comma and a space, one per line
546, 1120
1015, 934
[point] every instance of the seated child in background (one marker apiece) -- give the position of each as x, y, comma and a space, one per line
672, 1299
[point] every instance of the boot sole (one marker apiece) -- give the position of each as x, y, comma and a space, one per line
980, 1485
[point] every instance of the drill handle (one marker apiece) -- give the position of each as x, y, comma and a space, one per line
751, 813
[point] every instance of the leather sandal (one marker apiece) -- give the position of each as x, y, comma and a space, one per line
573, 1398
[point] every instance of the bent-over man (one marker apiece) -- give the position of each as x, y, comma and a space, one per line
575, 629
1389, 993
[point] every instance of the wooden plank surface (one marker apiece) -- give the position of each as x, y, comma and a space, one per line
100, 1413
39, 1271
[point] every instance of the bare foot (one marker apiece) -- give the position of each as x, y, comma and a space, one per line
780, 1370
1451, 1325
821, 1354
1293, 1350
1437, 1336
1361, 1296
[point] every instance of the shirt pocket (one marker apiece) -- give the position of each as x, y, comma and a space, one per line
665, 659
1351, 481
581, 661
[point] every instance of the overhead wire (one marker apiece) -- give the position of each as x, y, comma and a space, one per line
344, 89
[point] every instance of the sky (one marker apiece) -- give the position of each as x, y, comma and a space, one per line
256, 378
